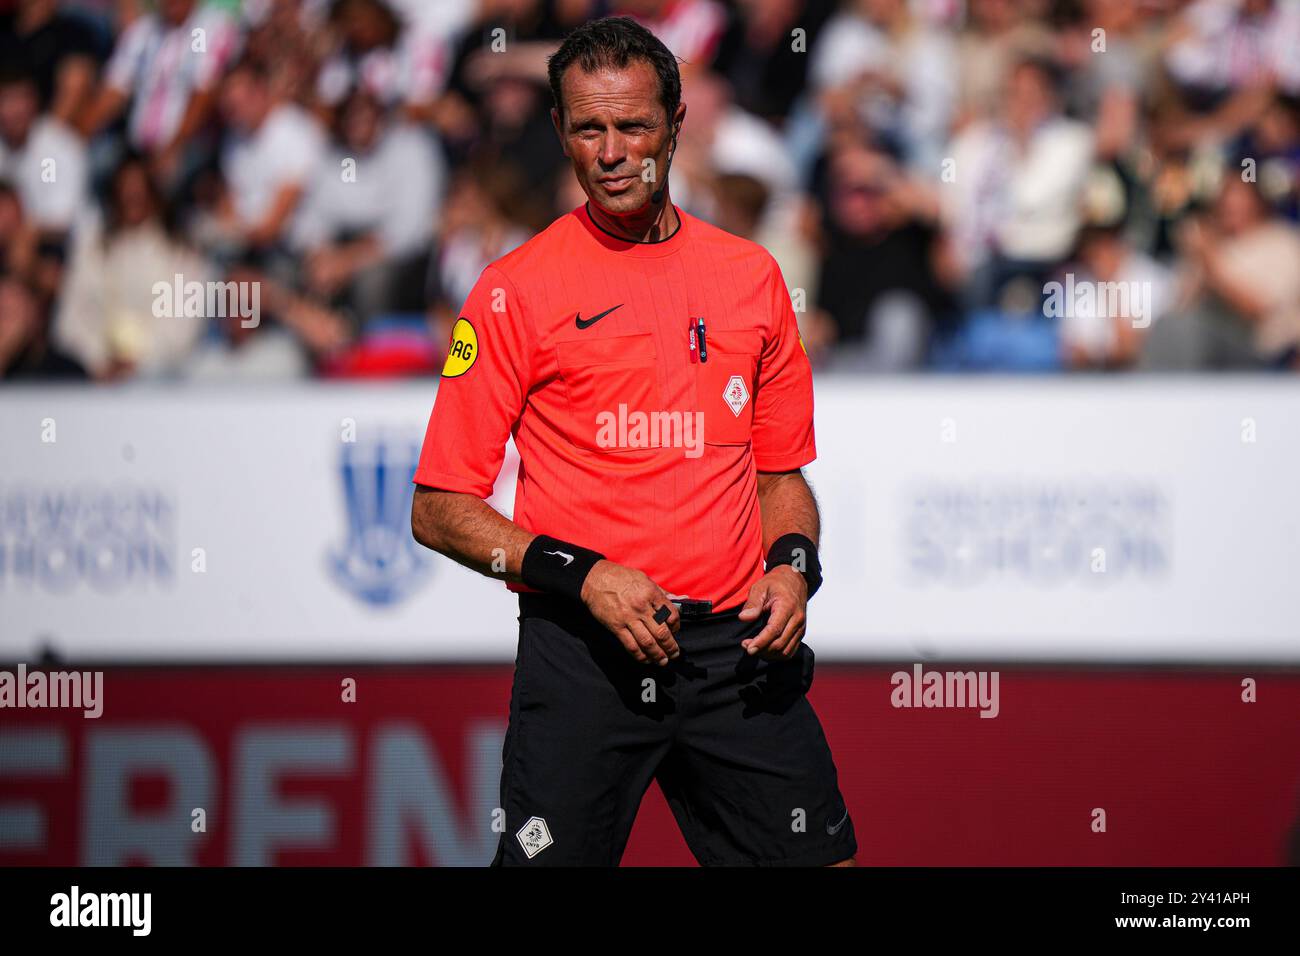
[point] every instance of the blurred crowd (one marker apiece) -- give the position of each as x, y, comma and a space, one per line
1005, 185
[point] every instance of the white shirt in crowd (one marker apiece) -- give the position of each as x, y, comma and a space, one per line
162, 67
1264, 260
691, 29
1226, 48
413, 71
921, 61
1088, 323
446, 18
50, 173
107, 308
463, 255
1023, 204
284, 151
396, 192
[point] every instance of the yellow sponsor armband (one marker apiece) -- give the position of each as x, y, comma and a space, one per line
462, 351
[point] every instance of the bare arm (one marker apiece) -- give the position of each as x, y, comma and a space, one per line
470, 531
73, 88
167, 161
282, 206
787, 505
197, 111
1240, 296
105, 107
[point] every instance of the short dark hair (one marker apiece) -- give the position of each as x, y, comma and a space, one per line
253, 65
12, 74
614, 42
1047, 68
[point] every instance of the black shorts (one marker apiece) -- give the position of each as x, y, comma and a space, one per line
732, 740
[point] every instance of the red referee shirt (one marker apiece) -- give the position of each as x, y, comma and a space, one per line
577, 343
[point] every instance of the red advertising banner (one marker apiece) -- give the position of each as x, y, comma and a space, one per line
296, 766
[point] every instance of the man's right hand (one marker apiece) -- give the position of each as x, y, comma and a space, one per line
625, 600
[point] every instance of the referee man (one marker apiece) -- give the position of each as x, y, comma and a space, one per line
664, 540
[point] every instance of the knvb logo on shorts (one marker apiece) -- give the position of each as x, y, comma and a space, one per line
380, 562
534, 836
637, 429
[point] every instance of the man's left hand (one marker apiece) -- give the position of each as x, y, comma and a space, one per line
784, 592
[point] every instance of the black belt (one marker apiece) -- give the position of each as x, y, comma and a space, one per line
689, 610
694, 610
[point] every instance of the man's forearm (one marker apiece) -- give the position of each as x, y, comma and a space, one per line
196, 114
266, 232
787, 506
471, 532
101, 110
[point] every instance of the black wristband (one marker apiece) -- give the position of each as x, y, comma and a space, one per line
556, 566
798, 551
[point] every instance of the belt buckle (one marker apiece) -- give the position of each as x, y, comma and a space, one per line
691, 610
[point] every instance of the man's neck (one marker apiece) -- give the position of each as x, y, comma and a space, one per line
651, 224
33, 16
260, 120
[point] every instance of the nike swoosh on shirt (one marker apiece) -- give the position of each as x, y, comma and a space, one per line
568, 558
578, 320
832, 830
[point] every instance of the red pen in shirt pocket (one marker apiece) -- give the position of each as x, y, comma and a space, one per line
690, 341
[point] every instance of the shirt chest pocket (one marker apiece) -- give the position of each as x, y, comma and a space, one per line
725, 385
612, 383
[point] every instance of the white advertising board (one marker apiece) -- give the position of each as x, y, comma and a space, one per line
1090, 519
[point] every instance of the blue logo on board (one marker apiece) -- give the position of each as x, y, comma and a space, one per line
379, 562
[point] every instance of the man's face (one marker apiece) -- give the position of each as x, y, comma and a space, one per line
176, 12
242, 99
363, 24
361, 121
18, 108
613, 123
1238, 207
133, 196
11, 214
859, 187
1029, 97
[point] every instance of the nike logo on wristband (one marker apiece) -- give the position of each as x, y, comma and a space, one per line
568, 558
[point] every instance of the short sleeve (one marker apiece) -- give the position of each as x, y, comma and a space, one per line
223, 43
425, 66
66, 197
481, 392
124, 64
783, 405
297, 146
409, 220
